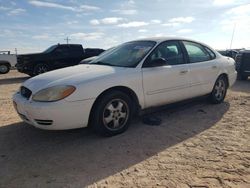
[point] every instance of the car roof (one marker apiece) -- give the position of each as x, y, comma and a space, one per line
162, 39
69, 44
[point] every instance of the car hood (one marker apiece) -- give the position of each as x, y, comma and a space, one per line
71, 76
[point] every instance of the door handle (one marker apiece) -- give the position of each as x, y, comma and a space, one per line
183, 71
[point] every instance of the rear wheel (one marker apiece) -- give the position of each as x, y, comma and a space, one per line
4, 68
112, 113
219, 91
39, 69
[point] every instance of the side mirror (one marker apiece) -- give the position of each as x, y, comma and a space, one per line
158, 62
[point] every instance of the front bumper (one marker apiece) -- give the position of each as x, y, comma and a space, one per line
23, 68
232, 78
59, 115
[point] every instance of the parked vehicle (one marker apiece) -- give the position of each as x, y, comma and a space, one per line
229, 53
136, 75
88, 60
7, 61
55, 57
243, 64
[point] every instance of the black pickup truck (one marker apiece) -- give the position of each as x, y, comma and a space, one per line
243, 64
55, 57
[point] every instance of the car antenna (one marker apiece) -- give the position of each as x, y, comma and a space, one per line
232, 36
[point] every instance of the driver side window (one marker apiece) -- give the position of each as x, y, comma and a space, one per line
170, 51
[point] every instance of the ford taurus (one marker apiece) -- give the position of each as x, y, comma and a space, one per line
136, 75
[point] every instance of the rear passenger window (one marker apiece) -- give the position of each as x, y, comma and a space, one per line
196, 52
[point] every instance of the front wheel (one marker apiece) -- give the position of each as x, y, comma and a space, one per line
39, 69
219, 91
112, 114
4, 69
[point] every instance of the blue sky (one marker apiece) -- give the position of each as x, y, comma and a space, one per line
34, 25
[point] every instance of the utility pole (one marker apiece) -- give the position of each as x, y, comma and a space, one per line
232, 36
16, 51
67, 39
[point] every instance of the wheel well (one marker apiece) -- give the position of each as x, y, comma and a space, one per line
226, 77
5, 63
123, 89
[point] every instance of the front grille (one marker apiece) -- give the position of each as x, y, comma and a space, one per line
25, 92
44, 122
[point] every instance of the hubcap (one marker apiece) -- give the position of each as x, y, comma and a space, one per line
41, 69
3, 68
115, 114
220, 89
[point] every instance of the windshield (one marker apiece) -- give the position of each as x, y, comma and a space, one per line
50, 49
126, 55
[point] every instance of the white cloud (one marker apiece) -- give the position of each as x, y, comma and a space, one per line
175, 22
106, 21
142, 30
133, 24
39, 37
171, 24
87, 36
188, 19
155, 21
240, 10
239, 17
126, 11
16, 11
159, 35
223, 2
127, 7
88, 7
4, 8
111, 20
94, 22
183, 31
81, 8
72, 22
50, 5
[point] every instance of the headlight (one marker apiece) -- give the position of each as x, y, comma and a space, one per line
54, 93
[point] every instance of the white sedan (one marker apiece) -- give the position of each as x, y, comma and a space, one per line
136, 75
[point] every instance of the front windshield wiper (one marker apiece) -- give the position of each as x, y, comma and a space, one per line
101, 63
104, 63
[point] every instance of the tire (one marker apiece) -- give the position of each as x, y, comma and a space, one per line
4, 68
39, 69
111, 114
219, 90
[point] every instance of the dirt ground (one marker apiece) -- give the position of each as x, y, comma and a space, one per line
198, 145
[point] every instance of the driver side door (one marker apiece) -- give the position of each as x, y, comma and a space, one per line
167, 83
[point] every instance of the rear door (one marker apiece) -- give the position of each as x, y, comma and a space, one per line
76, 54
167, 83
246, 63
61, 57
203, 68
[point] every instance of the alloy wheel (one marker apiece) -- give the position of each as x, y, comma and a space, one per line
115, 114
220, 89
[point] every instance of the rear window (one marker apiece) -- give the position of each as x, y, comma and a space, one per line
211, 53
196, 52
